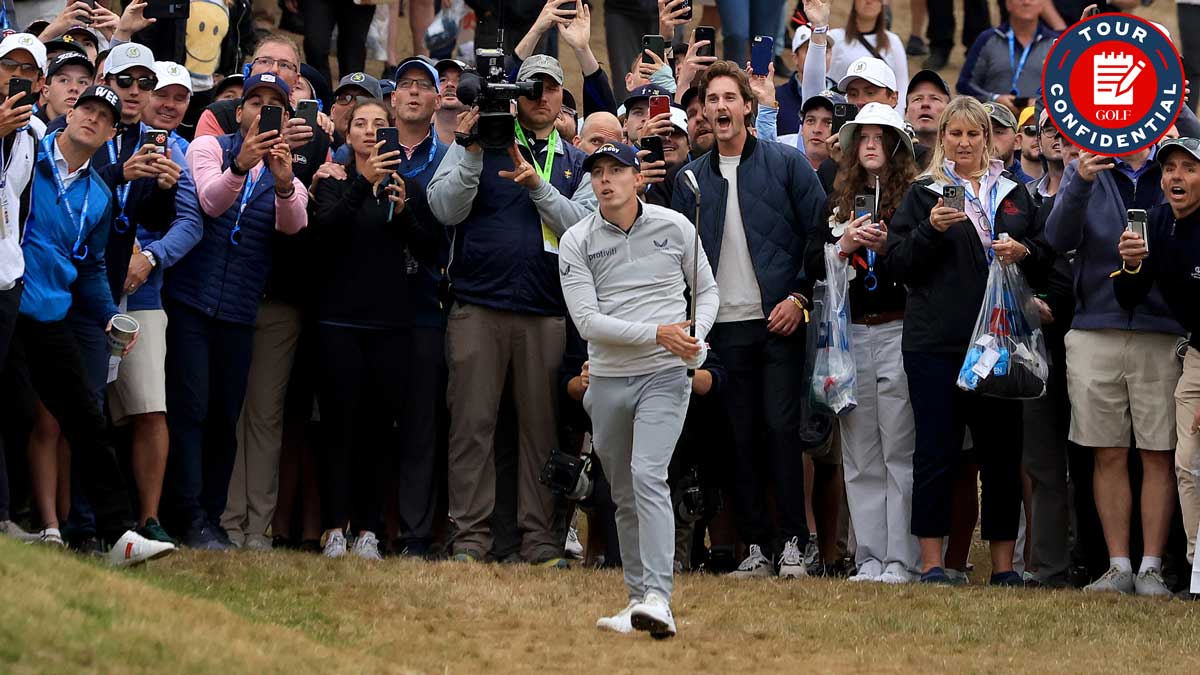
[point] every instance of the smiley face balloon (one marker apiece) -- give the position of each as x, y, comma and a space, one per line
206, 28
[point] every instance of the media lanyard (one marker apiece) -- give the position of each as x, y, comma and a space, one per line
235, 235
122, 222
76, 221
988, 220
1017, 68
549, 239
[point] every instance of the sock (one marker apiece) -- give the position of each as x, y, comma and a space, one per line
1121, 563
1150, 562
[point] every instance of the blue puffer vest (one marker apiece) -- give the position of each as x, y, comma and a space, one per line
223, 280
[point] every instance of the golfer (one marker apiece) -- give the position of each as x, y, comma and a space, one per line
625, 274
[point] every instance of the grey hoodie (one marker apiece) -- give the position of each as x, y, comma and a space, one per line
619, 287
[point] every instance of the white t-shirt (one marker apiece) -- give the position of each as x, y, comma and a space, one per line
741, 300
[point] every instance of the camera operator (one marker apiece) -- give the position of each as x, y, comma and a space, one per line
507, 314
761, 199
638, 346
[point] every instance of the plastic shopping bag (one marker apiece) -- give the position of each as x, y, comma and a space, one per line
1007, 357
832, 388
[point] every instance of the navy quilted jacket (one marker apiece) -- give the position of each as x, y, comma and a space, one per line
780, 198
222, 280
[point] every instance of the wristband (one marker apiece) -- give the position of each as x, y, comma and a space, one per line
235, 169
820, 30
290, 192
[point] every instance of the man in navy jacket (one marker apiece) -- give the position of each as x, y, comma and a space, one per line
759, 200
507, 316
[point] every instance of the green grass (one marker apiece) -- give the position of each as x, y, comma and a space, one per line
293, 613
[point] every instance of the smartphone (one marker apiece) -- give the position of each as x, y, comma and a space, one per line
659, 105
87, 20
390, 137
656, 44
842, 113
271, 119
569, 7
862, 207
167, 9
655, 145
686, 16
157, 138
762, 53
20, 85
953, 197
307, 110
706, 33
1136, 219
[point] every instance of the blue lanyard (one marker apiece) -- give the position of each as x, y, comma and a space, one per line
1017, 68
989, 221
870, 282
428, 160
121, 225
235, 235
76, 221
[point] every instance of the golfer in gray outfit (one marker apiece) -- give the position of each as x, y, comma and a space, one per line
625, 273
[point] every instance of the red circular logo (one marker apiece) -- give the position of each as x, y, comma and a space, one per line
1134, 84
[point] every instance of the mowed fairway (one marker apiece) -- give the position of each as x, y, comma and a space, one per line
294, 613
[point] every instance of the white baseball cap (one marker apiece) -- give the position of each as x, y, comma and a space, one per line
802, 35
129, 55
28, 43
871, 69
679, 119
169, 73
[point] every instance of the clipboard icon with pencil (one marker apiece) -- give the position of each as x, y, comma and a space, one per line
1114, 76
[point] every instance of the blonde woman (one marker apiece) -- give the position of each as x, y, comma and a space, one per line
942, 255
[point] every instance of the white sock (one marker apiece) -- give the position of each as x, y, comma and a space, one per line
1122, 563
1150, 562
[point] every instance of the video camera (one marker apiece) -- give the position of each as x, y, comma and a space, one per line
488, 89
568, 475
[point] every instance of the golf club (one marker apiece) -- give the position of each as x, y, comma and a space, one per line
694, 186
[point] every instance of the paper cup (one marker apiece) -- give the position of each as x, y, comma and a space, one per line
124, 327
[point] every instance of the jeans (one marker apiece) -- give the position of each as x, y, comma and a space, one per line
10, 300
744, 19
623, 34
208, 362
352, 21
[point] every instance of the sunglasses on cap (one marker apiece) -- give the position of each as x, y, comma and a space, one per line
144, 83
347, 99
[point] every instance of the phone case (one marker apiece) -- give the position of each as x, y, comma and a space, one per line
762, 52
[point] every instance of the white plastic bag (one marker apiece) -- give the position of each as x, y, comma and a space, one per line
833, 383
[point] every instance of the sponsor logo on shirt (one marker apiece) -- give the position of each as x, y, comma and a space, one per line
602, 254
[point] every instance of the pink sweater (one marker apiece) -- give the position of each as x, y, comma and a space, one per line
218, 190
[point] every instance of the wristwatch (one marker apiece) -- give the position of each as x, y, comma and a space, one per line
151, 258
235, 169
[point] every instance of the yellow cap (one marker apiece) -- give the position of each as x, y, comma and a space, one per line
1023, 119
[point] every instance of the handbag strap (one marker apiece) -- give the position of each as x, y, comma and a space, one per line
863, 41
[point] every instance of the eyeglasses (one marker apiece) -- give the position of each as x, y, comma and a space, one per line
423, 85
143, 83
1050, 131
1030, 130
268, 62
29, 70
569, 112
347, 99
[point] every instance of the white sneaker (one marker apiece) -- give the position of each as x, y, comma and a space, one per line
619, 622
335, 544
755, 565
366, 546
791, 562
573, 548
895, 573
257, 542
10, 529
653, 615
870, 570
50, 536
134, 549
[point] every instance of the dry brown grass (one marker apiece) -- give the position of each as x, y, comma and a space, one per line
287, 612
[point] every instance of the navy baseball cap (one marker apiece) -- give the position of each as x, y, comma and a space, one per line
825, 99
103, 94
361, 81
267, 81
619, 151
70, 59
932, 77
644, 92
421, 63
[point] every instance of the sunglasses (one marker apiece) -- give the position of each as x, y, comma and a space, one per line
143, 83
347, 99
1030, 130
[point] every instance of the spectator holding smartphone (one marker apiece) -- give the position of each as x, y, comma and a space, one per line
942, 255
877, 436
247, 191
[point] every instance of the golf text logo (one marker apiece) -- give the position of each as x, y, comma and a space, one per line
1113, 84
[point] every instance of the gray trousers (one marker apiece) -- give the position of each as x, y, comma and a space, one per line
636, 422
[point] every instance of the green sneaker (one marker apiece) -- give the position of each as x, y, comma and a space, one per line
465, 557
154, 531
555, 563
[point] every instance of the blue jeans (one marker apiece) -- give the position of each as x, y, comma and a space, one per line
744, 19
208, 363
